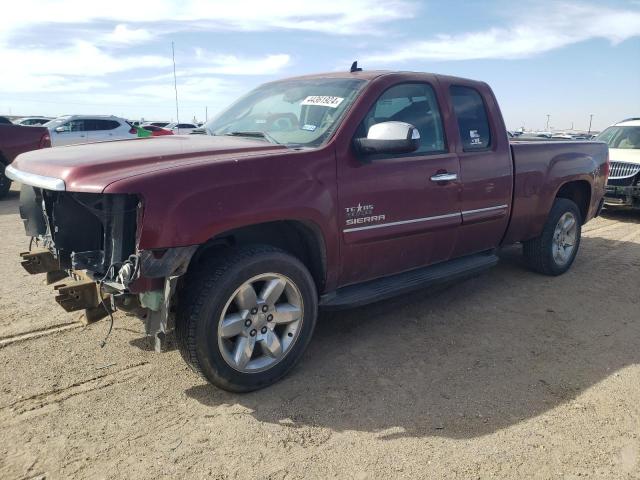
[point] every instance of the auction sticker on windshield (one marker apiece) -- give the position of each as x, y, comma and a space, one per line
323, 100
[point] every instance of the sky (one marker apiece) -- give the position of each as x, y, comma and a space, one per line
566, 59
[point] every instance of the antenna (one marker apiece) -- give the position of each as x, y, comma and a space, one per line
355, 68
175, 82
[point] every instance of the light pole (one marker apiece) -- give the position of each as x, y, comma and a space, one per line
590, 120
548, 117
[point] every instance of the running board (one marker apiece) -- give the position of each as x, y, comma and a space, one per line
386, 287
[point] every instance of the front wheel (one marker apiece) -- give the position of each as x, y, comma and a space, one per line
5, 183
245, 320
553, 252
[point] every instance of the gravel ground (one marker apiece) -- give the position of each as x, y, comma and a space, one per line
508, 375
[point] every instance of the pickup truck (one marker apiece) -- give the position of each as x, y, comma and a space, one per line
15, 139
322, 191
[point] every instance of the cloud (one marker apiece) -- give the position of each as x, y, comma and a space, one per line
206, 64
80, 58
532, 33
329, 16
197, 90
72, 68
122, 34
233, 65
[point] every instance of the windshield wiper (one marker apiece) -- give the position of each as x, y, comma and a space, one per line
253, 134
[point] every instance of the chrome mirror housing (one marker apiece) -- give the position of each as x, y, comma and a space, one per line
389, 137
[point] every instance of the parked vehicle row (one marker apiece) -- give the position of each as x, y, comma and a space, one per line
327, 191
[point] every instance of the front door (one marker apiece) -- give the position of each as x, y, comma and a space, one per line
70, 133
101, 130
396, 212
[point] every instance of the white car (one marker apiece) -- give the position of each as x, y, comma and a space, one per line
74, 129
623, 186
181, 128
32, 121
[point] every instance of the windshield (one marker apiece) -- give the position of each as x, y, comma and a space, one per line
621, 137
295, 112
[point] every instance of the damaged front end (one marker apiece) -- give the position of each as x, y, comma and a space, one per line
86, 243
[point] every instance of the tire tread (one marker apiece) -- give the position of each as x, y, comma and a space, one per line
537, 251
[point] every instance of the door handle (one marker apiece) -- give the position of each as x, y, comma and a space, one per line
444, 177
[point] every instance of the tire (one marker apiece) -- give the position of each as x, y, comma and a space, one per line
216, 296
543, 254
5, 183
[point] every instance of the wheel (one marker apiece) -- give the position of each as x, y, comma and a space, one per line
5, 183
245, 319
553, 252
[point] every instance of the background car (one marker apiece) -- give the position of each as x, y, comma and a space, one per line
181, 128
31, 121
74, 129
623, 185
157, 131
156, 124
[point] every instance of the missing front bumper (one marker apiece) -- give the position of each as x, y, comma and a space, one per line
628, 196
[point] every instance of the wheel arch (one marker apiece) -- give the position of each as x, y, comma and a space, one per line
302, 239
578, 191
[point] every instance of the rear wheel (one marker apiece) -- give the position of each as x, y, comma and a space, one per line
245, 320
553, 252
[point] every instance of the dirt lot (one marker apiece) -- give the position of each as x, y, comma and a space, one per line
508, 375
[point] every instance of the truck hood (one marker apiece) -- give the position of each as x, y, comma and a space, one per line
92, 167
629, 155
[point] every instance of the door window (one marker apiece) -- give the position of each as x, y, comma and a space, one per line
74, 126
98, 124
413, 103
473, 122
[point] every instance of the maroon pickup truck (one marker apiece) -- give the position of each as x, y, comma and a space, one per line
323, 191
16, 139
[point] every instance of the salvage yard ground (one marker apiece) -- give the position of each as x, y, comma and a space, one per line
507, 375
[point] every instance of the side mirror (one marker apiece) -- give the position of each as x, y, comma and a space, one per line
62, 129
389, 137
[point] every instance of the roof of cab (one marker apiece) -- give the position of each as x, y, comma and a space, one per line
369, 75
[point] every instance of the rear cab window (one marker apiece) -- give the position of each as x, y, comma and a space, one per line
471, 115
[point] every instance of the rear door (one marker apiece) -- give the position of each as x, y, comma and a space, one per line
101, 130
486, 169
393, 217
